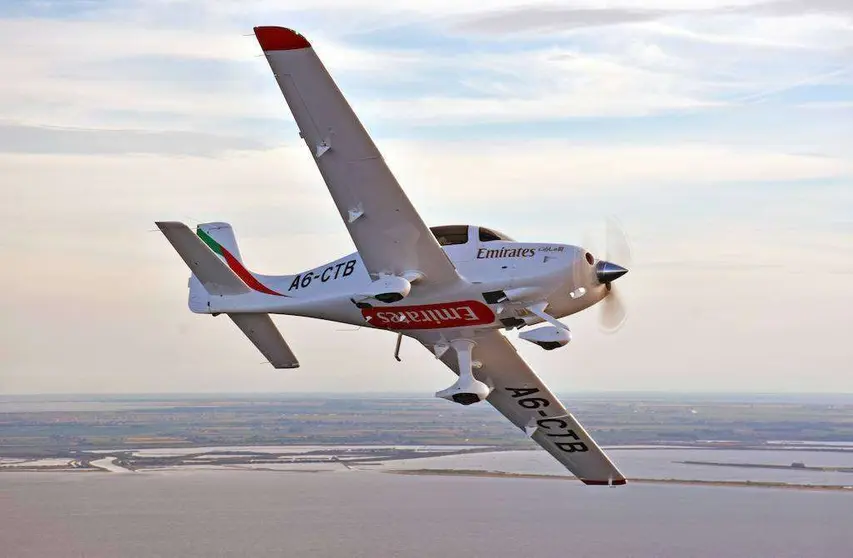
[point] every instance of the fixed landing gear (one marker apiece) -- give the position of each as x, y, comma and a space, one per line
467, 389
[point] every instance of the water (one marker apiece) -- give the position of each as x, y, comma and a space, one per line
294, 449
660, 464
352, 514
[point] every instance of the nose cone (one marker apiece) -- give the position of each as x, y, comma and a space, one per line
607, 272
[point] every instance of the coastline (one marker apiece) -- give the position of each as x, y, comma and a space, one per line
696, 482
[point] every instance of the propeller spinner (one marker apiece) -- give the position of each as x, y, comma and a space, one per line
607, 272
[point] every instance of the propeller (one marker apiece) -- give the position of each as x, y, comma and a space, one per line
613, 314
613, 265
618, 248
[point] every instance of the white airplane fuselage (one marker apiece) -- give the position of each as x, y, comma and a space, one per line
500, 278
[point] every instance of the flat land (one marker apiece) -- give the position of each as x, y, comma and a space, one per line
58, 427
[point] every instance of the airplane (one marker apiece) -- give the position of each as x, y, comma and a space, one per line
452, 288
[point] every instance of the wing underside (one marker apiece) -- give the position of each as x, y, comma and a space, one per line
524, 399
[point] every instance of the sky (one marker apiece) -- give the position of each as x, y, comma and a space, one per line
719, 132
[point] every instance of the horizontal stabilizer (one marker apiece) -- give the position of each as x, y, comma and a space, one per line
261, 331
213, 273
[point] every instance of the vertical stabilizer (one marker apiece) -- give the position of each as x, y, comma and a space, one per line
220, 238
211, 272
222, 235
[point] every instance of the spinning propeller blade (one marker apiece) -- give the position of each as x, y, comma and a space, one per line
613, 313
618, 248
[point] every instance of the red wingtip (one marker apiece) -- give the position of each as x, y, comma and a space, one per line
280, 38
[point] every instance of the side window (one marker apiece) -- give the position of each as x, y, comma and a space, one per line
487, 236
450, 235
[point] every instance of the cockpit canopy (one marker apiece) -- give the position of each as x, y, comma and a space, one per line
451, 235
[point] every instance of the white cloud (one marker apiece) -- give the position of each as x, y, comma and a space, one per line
564, 169
38, 139
68, 73
808, 32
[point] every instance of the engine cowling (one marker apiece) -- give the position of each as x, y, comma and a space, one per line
548, 337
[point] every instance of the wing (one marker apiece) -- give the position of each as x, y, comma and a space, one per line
388, 233
521, 397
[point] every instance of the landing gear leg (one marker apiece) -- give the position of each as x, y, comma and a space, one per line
467, 389
397, 347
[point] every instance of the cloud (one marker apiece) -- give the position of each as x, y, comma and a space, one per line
799, 7
548, 18
552, 18
81, 73
561, 169
41, 139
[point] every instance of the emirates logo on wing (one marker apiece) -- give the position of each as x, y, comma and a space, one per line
465, 313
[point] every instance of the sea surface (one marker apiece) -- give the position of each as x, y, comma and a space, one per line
663, 464
357, 513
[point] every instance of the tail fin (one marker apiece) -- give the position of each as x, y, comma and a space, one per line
222, 236
219, 237
210, 273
